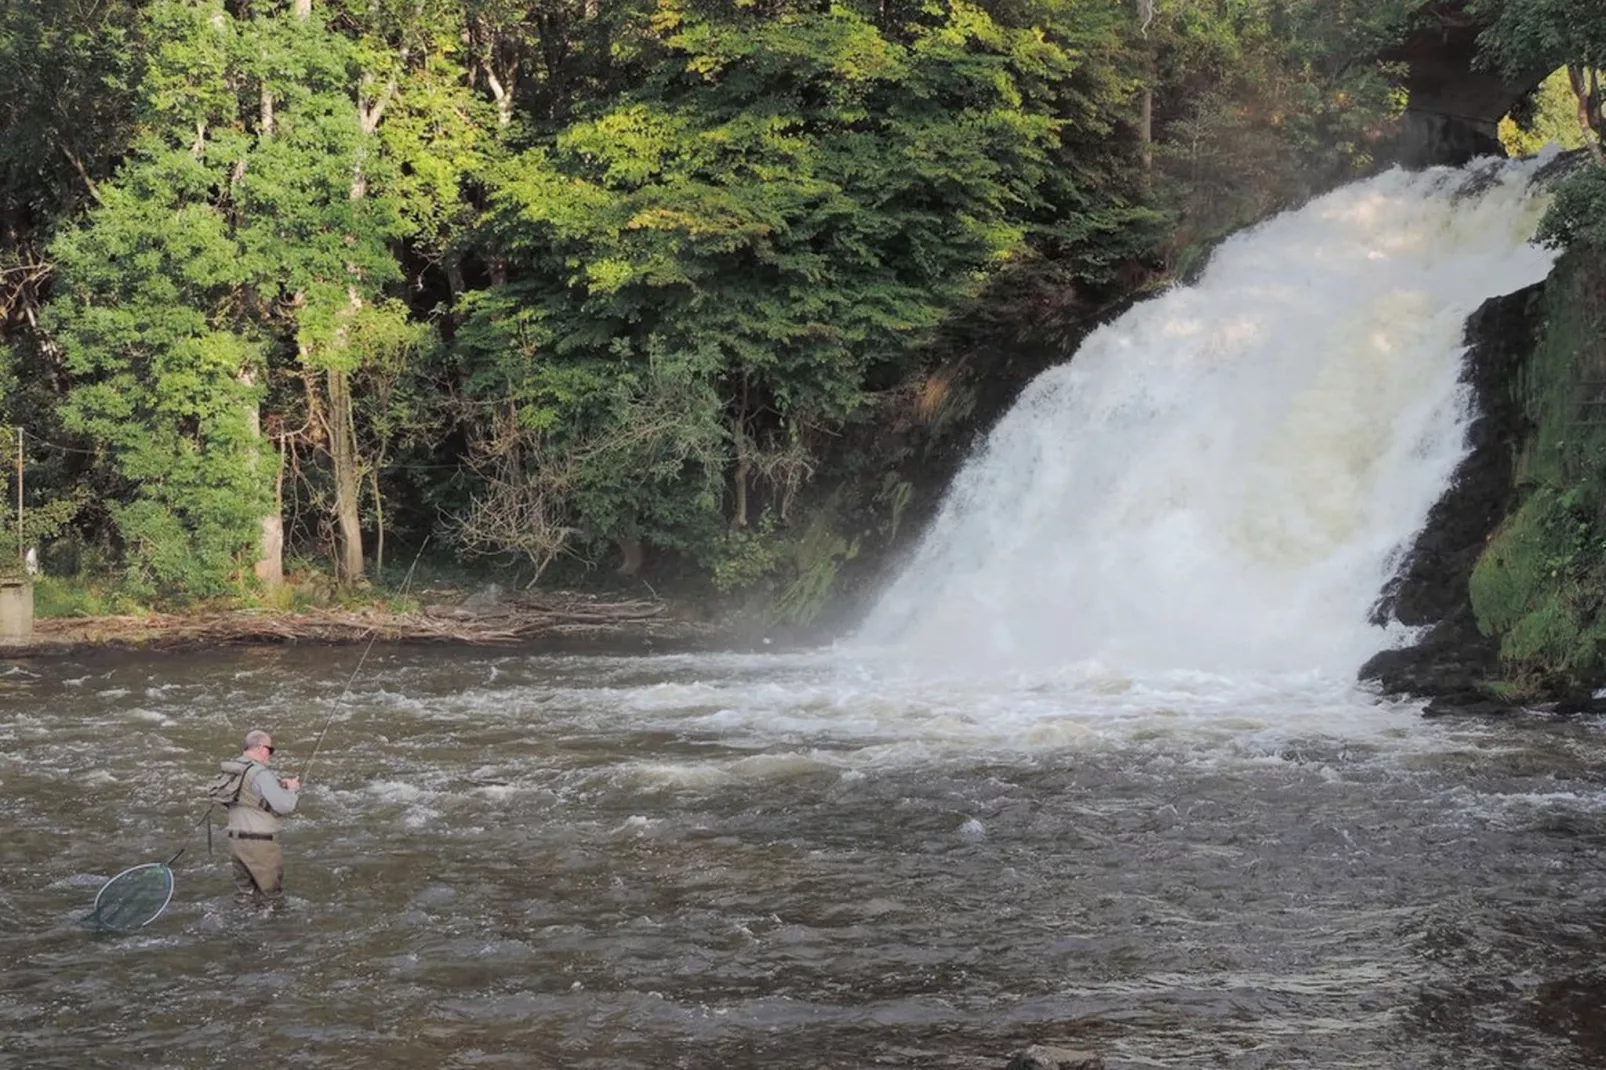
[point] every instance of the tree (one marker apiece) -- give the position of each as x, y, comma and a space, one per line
152, 320
783, 206
252, 235
1260, 103
1570, 34
67, 78
1538, 34
67, 73
1548, 116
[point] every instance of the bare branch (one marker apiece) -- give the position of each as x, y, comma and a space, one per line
83, 172
368, 115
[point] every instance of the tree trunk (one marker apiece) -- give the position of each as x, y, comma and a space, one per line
1146, 116
739, 493
270, 560
379, 525
1146, 132
269, 566
502, 92
632, 555
347, 477
1588, 94
455, 283
745, 448
342, 418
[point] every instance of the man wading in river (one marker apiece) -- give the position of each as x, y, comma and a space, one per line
257, 798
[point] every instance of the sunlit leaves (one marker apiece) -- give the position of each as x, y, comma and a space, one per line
1529, 35
1538, 35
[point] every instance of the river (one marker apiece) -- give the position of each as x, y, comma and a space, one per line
1092, 772
800, 860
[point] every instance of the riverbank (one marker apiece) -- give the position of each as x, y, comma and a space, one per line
481, 618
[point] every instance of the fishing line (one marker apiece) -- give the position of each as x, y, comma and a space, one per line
138, 895
318, 744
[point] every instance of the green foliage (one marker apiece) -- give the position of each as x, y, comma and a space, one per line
595, 274
58, 596
894, 497
1529, 35
145, 320
779, 212
148, 323
818, 554
1577, 212
1549, 116
589, 449
41, 523
796, 206
252, 230
1259, 104
67, 92
796, 568
1540, 584
742, 558
1539, 35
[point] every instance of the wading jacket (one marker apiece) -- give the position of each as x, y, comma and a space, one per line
262, 801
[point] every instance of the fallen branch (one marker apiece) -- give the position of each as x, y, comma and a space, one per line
527, 618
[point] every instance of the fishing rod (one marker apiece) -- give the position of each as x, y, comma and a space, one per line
140, 894
318, 744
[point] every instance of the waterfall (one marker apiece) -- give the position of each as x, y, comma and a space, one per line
1223, 479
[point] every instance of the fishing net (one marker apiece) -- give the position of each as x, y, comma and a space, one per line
134, 898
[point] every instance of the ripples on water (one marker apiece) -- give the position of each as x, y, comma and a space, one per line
798, 861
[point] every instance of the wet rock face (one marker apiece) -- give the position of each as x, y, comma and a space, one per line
1432, 138
1452, 660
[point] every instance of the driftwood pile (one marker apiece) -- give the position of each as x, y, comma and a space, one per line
502, 620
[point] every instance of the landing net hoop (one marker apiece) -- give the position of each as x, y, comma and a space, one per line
134, 898
140, 894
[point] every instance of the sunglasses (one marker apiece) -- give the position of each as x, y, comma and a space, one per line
268, 748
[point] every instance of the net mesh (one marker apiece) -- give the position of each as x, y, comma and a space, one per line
134, 898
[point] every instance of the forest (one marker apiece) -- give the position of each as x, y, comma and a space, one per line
617, 291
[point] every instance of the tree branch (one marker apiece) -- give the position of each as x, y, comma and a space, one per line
83, 172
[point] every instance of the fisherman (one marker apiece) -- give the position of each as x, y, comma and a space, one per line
254, 822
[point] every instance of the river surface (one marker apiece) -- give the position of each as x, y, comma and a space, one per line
799, 860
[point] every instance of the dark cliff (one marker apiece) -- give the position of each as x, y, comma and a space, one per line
1452, 660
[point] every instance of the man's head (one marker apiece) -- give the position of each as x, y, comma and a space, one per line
258, 745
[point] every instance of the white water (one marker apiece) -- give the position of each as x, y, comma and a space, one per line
1220, 482
1152, 581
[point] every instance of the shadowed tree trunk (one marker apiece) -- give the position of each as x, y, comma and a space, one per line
347, 475
343, 453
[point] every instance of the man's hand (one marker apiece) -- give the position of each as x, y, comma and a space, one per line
291, 783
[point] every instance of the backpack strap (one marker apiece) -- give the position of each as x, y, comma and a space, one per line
251, 770
245, 776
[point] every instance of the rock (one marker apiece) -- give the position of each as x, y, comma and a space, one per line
1452, 661
1468, 707
1455, 103
1043, 1057
1451, 664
